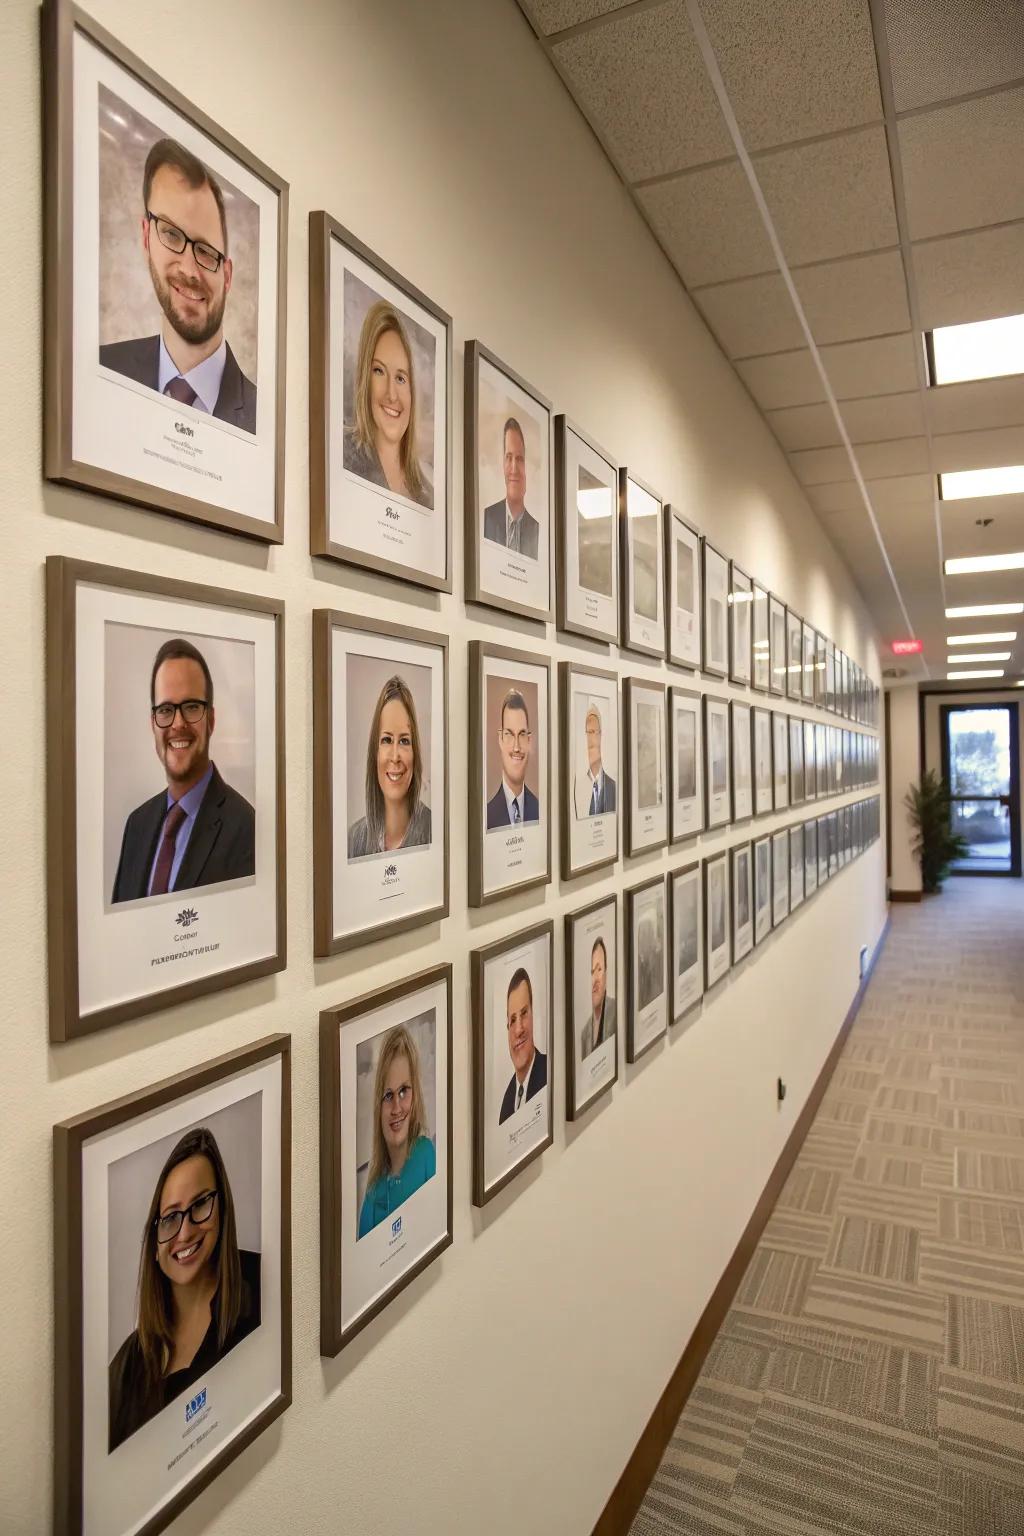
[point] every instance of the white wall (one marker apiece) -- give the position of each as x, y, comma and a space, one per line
904, 770
505, 1389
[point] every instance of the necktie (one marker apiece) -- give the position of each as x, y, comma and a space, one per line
512, 527
515, 811
593, 800
519, 1099
165, 858
179, 390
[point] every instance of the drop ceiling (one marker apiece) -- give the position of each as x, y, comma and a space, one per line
886, 139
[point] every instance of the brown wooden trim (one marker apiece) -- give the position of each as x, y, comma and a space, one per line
905, 895
564, 506
628, 1493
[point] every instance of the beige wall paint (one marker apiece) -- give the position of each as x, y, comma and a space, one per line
504, 1391
904, 770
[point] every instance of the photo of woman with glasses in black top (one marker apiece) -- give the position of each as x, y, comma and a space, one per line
198, 1293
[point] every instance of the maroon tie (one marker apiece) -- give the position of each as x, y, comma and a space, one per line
165, 858
180, 391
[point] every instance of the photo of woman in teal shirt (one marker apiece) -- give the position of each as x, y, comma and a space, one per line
403, 1156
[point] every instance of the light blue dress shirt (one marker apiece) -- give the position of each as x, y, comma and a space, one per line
205, 378
190, 803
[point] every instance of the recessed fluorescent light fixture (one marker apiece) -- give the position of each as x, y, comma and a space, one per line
960, 661
984, 610
984, 349
994, 637
965, 484
955, 677
968, 563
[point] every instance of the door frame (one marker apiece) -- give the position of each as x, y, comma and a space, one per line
1011, 707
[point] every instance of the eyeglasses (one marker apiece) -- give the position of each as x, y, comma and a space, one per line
518, 739
200, 1211
403, 1095
191, 711
175, 239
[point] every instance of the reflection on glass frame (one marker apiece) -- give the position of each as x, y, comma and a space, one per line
717, 808
760, 660
122, 1461
591, 1003
811, 856
741, 602
513, 1003
821, 760
830, 676
642, 566
762, 888
742, 881
820, 645
686, 760
794, 655
796, 760
821, 823
833, 843
780, 758
715, 600
379, 484
507, 488
810, 772
586, 535
146, 909
591, 767
682, 574
109, 424
807, 676
716, 919
686, 906
380, 779
385, 1147
780, 876
646, 966
764, 798
647, 791
776, 645
796, 866
741, 760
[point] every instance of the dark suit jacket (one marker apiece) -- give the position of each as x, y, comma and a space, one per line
537, 1080
494, 529
222, 845
497, 808
606, 800
140, 360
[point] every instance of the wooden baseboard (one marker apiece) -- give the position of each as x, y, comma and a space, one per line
905, 895
628, 1493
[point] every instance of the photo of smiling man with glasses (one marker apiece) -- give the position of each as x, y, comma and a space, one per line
184, 241
513, 801
197, 830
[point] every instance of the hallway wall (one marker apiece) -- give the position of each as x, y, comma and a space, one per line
904, 770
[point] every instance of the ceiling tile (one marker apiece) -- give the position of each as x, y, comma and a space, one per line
804, 426
555, 15
976, 509
820, 466
642, 85
886, 416
831, 500
788, 378
984, 587
795, 70
962, 536
978, 276
751, 316
901, 491
962, 164
979, 450
844, 300
941, 48
709, 224
982, 403
831, 198
858, 368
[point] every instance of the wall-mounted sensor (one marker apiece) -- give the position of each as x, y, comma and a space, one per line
863, 960
781, 1090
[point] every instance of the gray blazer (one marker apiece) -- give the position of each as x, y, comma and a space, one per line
417, 833
607, 1029
140, 360
365, 463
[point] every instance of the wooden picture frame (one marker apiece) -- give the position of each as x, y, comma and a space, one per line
714, 660
760, 660
642, 580
796, 866
810, 856
741, 760
741, 637
686, 764
717, 909
776, 645
592, 923
646, 1010
584, 608
717, 762
762, 857
794, 655
741, 907
647, 788
797, 775
780, 876
591, 814
780, 758
683, 590
762, 737
807, 676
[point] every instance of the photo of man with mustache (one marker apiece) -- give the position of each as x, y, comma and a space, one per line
184, 239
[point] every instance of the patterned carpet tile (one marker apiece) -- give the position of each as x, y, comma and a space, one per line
996, 1225
879, 1248
989, 1173
776, 1282
994, 1092
981, 1427
986, 1338
915, 1207
844, 1109
874, 1381
854, 1077
810, 1189
988, 1122
739, 1358
953, 1268
900, 1314
974, 1506
831, 1146
685, 1507
904, 1136
919, 1103
874, 1165
710, 1437
798, 1232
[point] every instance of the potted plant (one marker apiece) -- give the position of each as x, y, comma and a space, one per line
935, 843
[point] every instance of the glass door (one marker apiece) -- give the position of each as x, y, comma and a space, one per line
980, 765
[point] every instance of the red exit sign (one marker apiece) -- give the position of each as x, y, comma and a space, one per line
907, 647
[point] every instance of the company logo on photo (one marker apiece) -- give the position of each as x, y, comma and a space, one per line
186, 917
179, 426
396, 1226
195, 1405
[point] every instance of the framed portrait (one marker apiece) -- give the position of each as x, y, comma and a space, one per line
780, 758
586, 538
591, 769
380, 779
686, 757
796, 761
643, 576
717, 808
682, 572
794, 655
716, 918
807, 674
686, 906
741, 602
821, 760
591, 1003
820, 646
810, 856
742, 882
507, 488
165, 792
385, 1147
715, 597
844, 686
646, 966
380, 414
776, 645
513, 993
780, 876
760, 666
764, 798
742, 761
164, 261
810, 772
796, 866
646, 779
762, 888
186, 1183
821, 823
833, 844
830, 676
510, 775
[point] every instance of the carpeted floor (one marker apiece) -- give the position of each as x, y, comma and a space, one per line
869, 1379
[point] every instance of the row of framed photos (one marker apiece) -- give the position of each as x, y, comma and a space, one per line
166, 761
188, 1183
165, 353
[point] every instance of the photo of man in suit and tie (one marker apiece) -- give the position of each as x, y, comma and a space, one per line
185, 244
508, 522
197, 830
530, 1065
595, 789
513, 801
600, 1022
